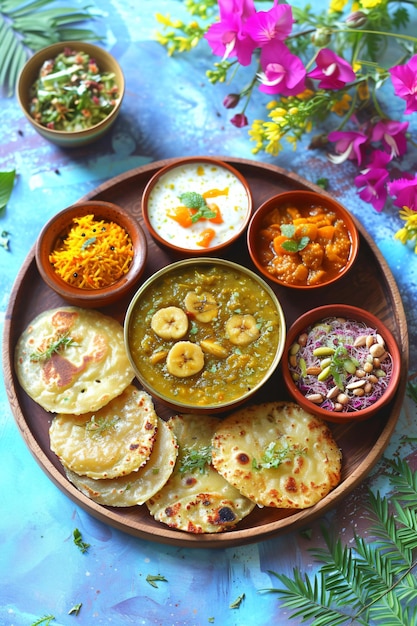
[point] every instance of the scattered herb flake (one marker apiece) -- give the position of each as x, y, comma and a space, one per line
236, 604
78, 540
153, 579
323, 183
4, 240
75, 609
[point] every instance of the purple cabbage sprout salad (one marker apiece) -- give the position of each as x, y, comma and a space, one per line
340, 364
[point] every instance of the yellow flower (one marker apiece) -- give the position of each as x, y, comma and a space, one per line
342, 106
336, 6
370, 4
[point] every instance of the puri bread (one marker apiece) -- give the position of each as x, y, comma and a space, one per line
113, 441
72, 360
196, 498
277, 455
136, 487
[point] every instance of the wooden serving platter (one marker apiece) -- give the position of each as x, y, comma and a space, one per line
369, 285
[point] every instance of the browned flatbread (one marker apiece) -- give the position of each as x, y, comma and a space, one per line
72, 360
277, 455
197, 500
114, 441
136, 487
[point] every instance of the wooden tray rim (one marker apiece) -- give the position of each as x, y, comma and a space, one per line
234, 537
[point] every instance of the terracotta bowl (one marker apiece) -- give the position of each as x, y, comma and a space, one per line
225, 372
363, 404
54, 231
30, 72
174, 224
293, 267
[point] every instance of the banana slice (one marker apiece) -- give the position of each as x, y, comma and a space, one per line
185, 359
202, 305
242, 329
171, 322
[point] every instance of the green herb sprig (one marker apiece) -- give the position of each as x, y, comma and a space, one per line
193, 460
293, 244
275, 454
194, 200
63, 341
100, 425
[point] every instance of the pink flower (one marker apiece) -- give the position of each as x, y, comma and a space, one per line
404, 80
349, 145
373, 179
239, 120
265, 26
405, 190
283, 72
392, 135
227, 38
332, 71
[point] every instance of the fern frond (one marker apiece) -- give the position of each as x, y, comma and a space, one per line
404, 481
309, 599
342, 574
385, 529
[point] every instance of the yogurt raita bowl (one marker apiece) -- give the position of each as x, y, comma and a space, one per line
196, 206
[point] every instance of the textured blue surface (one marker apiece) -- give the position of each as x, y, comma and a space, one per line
169, 110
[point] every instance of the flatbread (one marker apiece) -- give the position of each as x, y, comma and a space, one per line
197, 501
114, 441
137, 487
307, 458
89, 367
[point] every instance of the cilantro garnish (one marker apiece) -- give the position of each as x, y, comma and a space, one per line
195, 460
275, 454
194, 200
293, 244
98, 426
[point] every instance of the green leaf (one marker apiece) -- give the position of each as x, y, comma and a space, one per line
6, 187
192, 200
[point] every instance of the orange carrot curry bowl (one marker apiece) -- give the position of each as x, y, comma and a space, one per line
196, 206
302, 239
91, 253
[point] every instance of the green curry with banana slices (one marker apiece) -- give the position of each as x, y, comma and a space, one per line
204, 334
